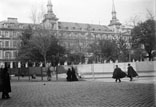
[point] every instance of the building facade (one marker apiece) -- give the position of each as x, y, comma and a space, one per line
75, 37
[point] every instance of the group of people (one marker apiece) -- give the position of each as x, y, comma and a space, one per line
5, 86
72, 74
118, 73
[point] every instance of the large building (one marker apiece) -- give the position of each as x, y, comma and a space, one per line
75, 37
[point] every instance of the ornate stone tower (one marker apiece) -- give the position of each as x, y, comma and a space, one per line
114, 23
50, 20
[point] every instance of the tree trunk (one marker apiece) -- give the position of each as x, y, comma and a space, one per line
45, 60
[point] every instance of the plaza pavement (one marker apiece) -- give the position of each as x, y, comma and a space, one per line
101, 92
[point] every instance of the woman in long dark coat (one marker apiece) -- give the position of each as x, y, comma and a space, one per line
69, 75
49, 74
131, 72
74, 75
6, 87
118, 73
0, 79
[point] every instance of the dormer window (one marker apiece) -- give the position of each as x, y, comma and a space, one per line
67, 28
93, 29
59, 27
74, 28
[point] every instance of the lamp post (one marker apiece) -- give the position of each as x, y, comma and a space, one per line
130, 54
19, 67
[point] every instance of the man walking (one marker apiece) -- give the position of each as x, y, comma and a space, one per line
118, 73
131, 72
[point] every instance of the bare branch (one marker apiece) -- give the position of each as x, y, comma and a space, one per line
149, 14
37, 15
133, 21
33, 15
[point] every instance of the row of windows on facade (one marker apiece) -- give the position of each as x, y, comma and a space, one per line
75, 44
74, 28
86, 35
8, 34
12, 26
9, 43
14, 34
8, 54
91, 36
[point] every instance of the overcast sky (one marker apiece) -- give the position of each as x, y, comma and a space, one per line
82, 11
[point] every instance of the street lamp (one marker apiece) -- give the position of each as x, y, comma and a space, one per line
130, 53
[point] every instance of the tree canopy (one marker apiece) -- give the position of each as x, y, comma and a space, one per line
144, 34
110, 49
39, 45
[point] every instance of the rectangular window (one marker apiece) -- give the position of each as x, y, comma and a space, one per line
14, 43
1, 44
0, 54
0, 34
7, 55
11, 33
6, 34
14, 54
14, 34
6, 44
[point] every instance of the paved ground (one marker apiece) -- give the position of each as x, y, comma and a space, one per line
88, 93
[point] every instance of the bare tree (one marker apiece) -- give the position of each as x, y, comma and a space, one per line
150, 15
133, 21
37, 15
33, 15
41, 41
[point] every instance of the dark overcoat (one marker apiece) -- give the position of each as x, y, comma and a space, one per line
0, 80
49, 72
69, 75
118, 73
131, 72
6, 87
74, 76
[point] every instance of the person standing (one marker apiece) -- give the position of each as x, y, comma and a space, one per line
131, 72
6, 87
49, 74
69, 75
1, 79
118, 73
74, 75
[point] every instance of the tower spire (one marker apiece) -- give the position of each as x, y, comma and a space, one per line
114, 22
49, 7
50, 18
113, 10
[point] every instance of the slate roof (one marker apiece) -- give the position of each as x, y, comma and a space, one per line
81, 27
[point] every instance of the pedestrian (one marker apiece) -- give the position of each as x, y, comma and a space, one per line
6, 87
1, 79
74, 75
49, 74
131, 72
69, 75
118, 73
